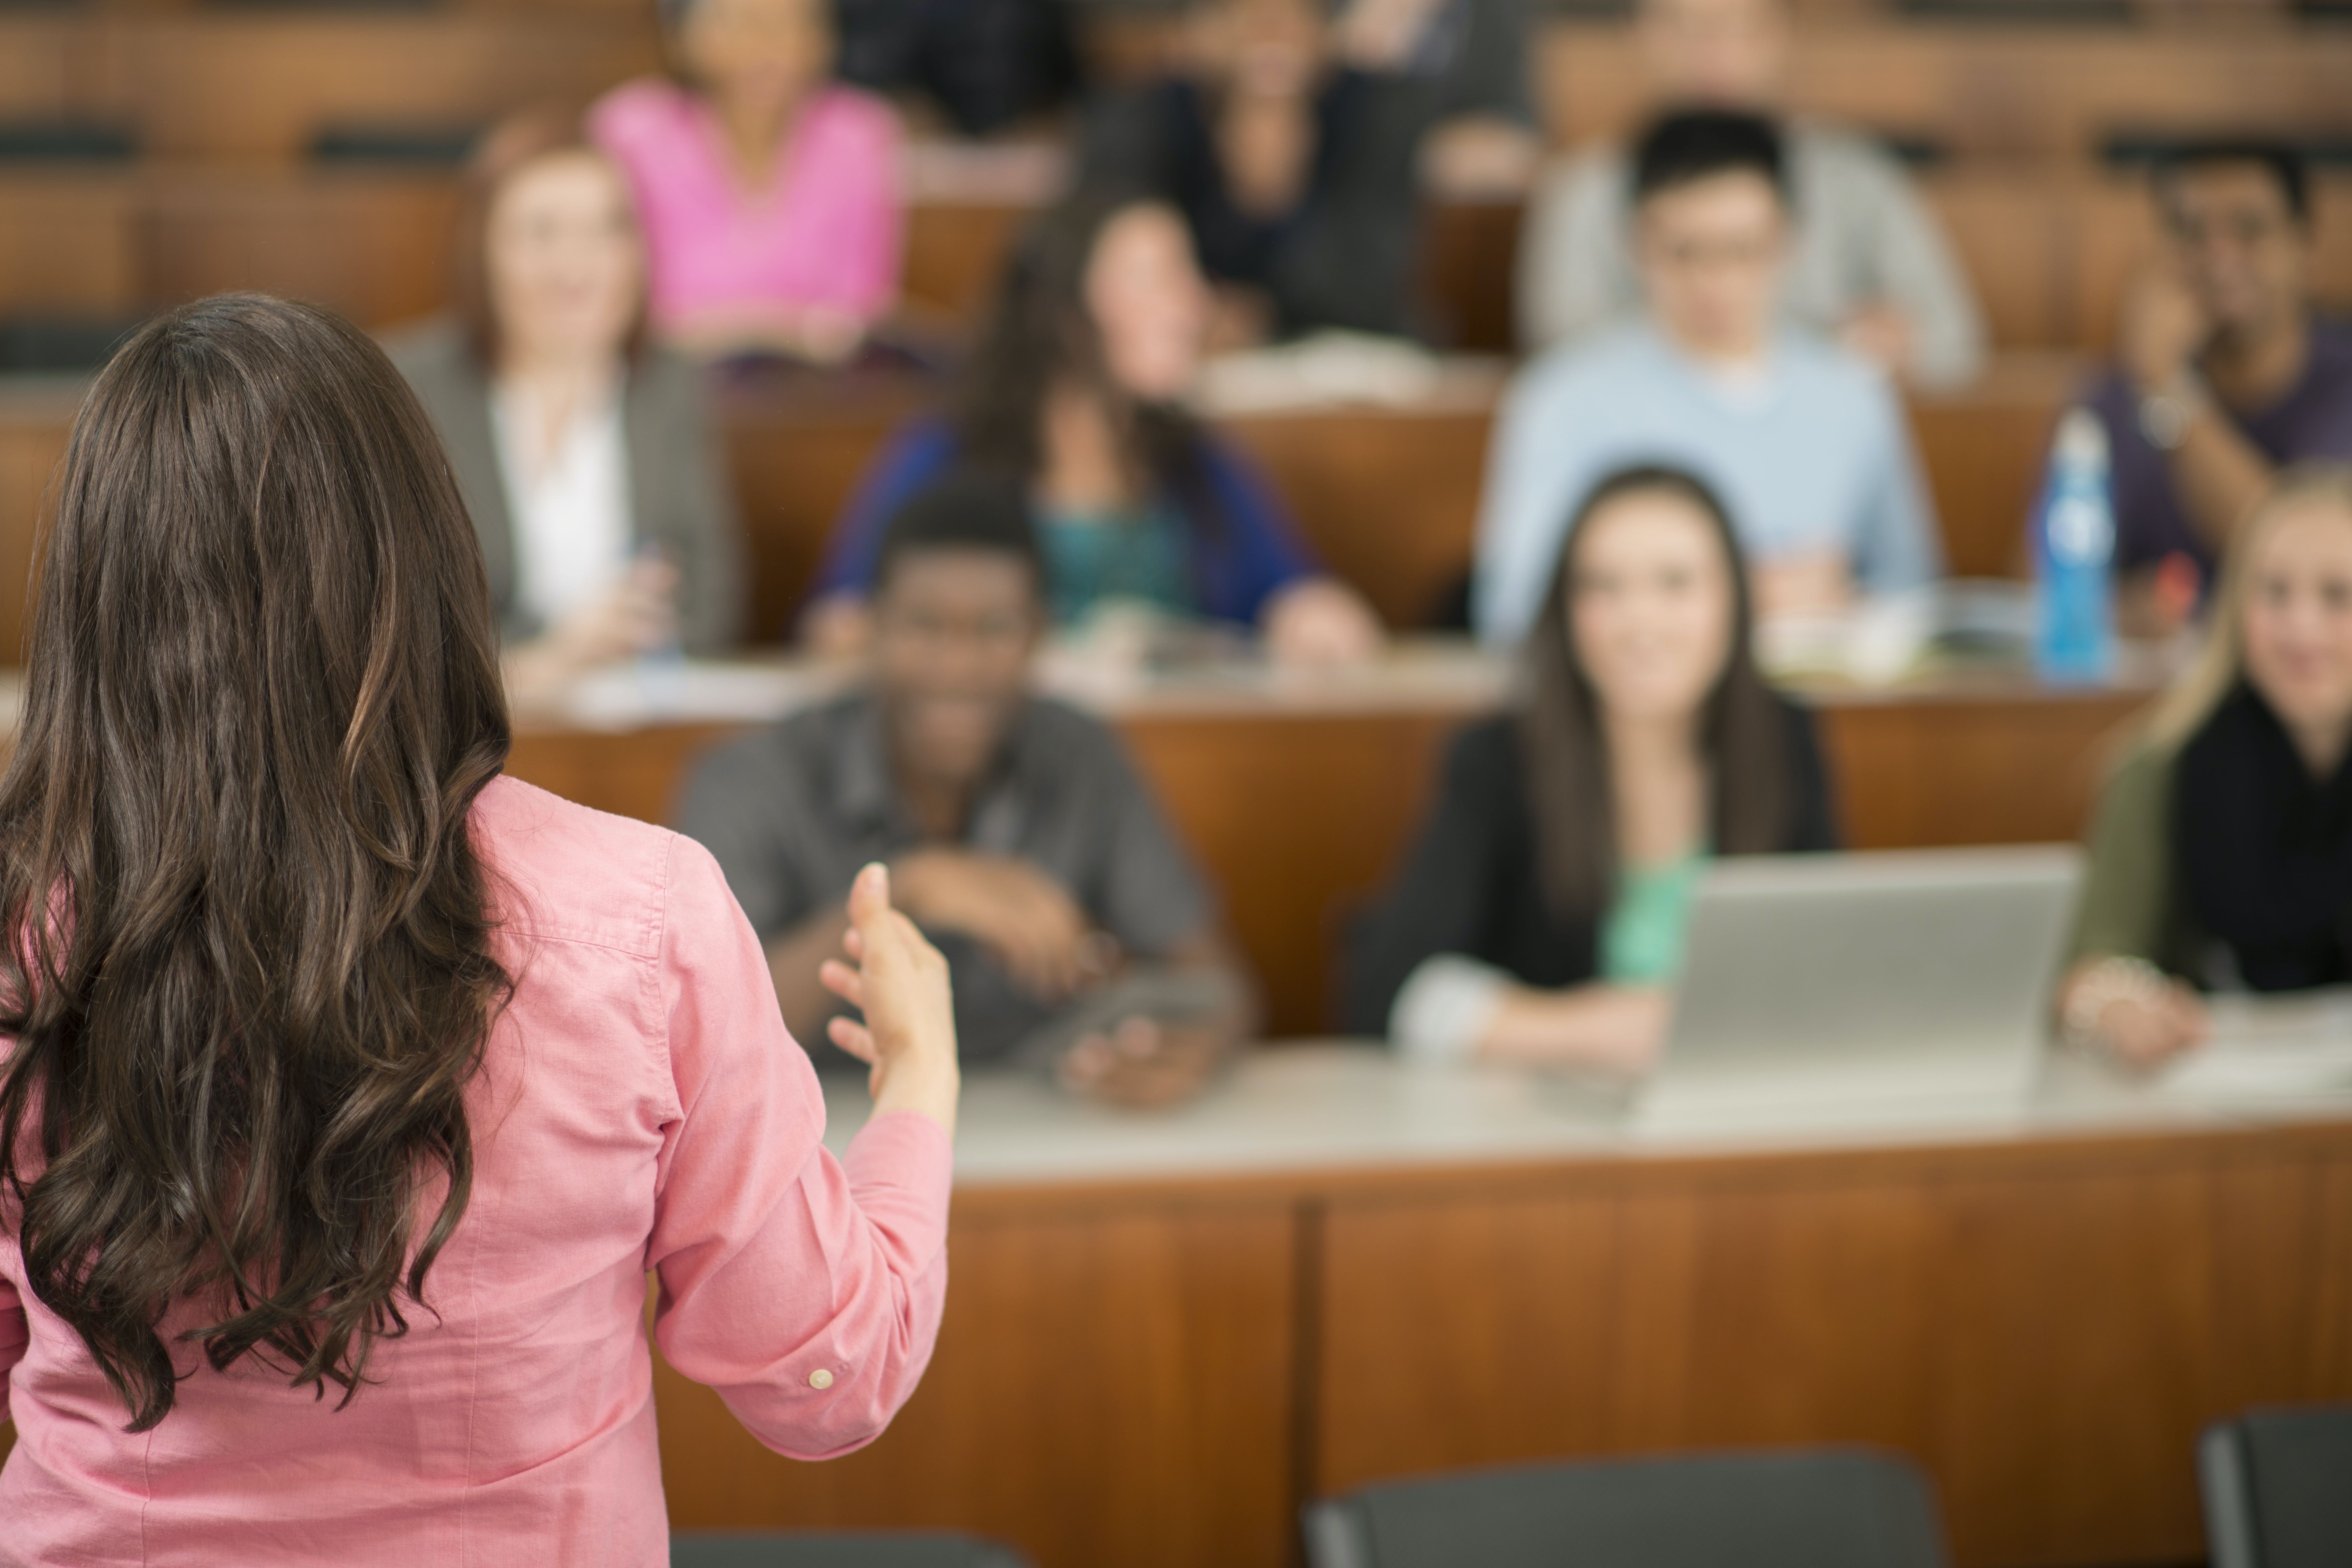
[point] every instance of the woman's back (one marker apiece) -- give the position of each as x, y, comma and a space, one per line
514, 1421
348, 1089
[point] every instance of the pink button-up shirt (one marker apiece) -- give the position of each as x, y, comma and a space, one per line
826, 231
640, 1108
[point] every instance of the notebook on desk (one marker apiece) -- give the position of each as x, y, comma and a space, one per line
1819, 988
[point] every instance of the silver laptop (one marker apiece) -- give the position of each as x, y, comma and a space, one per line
1834, 986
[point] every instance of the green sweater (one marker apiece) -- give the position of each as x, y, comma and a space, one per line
2132, 906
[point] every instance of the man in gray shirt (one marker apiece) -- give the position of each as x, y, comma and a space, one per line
1870, 265
1018, 835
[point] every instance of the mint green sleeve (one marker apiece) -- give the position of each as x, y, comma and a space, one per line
2127, 889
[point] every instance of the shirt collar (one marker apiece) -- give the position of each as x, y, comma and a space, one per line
866, 796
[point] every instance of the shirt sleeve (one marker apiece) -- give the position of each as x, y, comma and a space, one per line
1261, 553
1444, 900
16, 1335
1574, 273
1534, 472
806, 1292
914, 457
1895, 542
1916, 272
2127, 893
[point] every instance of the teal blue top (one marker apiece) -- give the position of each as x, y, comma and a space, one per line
1140, 556
1642, 939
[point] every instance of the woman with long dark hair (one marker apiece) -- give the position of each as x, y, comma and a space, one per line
1075, 394
1540, 918
349, 1089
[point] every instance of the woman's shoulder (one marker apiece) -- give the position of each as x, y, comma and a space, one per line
637, 113
564, 872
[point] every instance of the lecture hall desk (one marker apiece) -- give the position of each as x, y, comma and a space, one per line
1163, 1334
1297, 795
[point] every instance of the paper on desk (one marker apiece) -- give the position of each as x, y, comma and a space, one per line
2270, 1047
629, 694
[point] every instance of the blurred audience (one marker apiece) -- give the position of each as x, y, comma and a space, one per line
2220, 857
1074, 394
1540, 918
1460, 67
1295, 169
769, 192
2223, 373
1870, 264
984, 65
1804, 440
592, 475
1018, 835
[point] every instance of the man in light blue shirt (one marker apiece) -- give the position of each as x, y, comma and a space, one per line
1805, 442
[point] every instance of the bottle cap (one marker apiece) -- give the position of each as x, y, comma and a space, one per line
2081, 439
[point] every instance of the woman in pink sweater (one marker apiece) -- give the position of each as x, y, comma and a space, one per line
769, 192
351, 1090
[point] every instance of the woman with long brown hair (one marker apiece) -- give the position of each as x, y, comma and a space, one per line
1540, 918
350, 1089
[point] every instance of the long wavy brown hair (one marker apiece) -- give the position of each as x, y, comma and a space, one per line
250, 970
1743, 728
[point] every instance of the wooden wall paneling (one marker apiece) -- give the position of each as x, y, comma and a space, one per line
374, 246
954, 251
28, 457
1297, 824
1468, 274
797, 460
1111, 1385
247, 85
68, 242
634, 774
2046, 1333
1986, 89
47, 65
1421, 1366
1388, 500
1964, 771
1983, 448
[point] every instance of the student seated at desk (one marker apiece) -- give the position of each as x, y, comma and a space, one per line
1297, 173
2221, 854
769, 192
1017, 833
1870, 264
1806, 442
1540, 918
2224, 370
1074, 394
590, 468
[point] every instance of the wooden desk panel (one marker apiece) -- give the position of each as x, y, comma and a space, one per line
1110, 1388
2046, 1331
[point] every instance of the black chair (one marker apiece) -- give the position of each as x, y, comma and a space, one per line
839, 1549
1809, 1508
2278, 1489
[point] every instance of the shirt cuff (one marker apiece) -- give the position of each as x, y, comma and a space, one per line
1446, 1006
901, 1167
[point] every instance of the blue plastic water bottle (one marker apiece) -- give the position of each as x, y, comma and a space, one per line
2074, 558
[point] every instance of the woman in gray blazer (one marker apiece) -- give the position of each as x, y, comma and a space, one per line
593, 473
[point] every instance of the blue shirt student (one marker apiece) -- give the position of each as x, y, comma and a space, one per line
1812, 455
1238, 549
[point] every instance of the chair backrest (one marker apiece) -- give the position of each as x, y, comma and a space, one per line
1810, 1509
840, 1549
2278, 1489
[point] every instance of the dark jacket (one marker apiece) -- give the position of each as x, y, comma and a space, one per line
1473, 884
1345, 258
679, 494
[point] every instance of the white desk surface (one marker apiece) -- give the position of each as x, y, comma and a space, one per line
1298, 1110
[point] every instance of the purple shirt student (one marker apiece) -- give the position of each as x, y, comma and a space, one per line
2314, 420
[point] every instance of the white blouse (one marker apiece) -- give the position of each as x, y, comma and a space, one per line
573, 530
